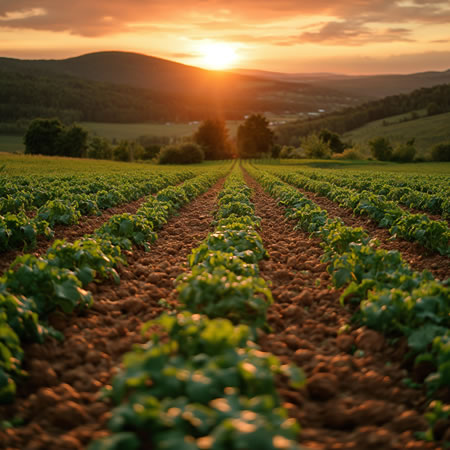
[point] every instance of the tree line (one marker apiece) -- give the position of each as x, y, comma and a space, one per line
210, 142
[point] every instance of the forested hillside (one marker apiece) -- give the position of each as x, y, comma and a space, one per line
127, 87
435, 100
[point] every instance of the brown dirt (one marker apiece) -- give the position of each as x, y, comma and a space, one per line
354, 398
86, 225
60, 400
415, 254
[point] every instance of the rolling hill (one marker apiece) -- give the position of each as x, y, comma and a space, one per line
372, 86
166, 85
426, 130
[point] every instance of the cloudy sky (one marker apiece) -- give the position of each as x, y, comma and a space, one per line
346, 36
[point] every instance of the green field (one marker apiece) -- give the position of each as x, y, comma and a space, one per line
11, 144
372, 166
427, 131
134, 130
53, 165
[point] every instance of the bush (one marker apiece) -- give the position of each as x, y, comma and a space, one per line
99, 148
188, 153
381, 149
316, 147
404, 153
122, 152
350, 153
441, 152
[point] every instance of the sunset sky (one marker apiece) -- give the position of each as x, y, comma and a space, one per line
344, 36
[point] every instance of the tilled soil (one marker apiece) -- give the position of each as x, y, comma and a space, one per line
59, 402
355, 398
86, 225
415, 254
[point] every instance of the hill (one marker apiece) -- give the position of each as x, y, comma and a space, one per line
378, 86
370, 87
426, 130
178, 91
435, 99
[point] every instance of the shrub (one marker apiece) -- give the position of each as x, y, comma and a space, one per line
441, 152
316, 147
350, 153
404, 153
99, 148
122, 152
188, 153
191, 153
381, 149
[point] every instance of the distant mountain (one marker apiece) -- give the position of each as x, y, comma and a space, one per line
201, 92
369, 86
292, 77
378, 86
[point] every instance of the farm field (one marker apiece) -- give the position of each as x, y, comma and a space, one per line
427, 131
279, 296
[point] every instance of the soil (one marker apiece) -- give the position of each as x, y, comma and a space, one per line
415, 254
86, 225
355, 398
59, 402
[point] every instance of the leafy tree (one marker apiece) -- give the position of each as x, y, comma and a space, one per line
72, 142
212, 136
434, 109
441, 152
122, 152
315, 147
254, 137
404, 152
333, 140
42, 137
381, 149
99, 148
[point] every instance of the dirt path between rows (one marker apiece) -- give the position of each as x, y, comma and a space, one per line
354, 398
59, 402
415, 254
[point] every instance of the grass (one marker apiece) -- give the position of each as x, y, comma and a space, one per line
176, 131
372, 166
427, 132
11, 144
11, 164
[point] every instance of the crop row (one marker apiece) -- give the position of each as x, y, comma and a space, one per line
432, 234
392, 298
436, 202
206, 384
66, 207
431, 184
33, 287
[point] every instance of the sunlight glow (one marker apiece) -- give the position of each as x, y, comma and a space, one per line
218, 55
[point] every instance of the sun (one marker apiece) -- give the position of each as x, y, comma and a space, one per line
218, 56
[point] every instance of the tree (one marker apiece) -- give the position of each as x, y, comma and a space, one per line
212, 136
441, 152
333, 140
254, 137
72, 142
122, 152
42, 137
99, 148
381, 149
316, 147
